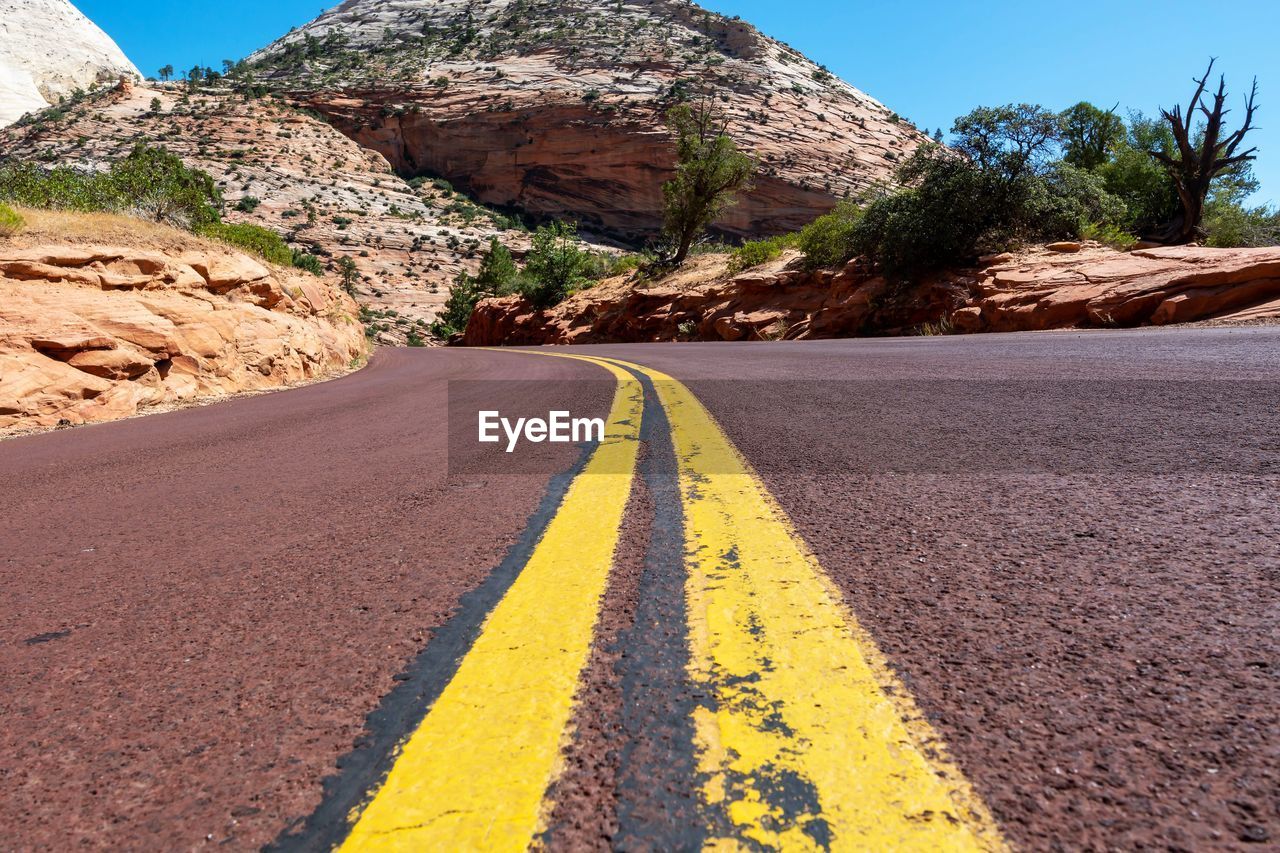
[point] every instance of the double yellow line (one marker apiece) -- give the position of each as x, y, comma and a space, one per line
810, 742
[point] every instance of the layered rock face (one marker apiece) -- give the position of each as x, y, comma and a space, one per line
1031, 291
286, 170
557, 106
95, 331
48, 50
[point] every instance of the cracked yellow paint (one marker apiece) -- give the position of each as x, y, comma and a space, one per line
475, 773
812, 742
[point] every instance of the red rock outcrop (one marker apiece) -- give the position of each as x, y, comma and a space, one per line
92, 332
296, 175
557, 106
1034, 290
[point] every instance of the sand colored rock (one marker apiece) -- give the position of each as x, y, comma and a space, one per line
557, 106
200, 321
317, 188
48, 50
1034, 290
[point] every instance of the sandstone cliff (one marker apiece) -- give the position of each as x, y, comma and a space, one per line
103, 316
1031, 291
295, 174
48, 51
556, 106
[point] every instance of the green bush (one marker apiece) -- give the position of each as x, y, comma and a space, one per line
11, 221
556, 266
248, 204
308, 262
1230, 226
264, 243
756, 252
253, 238
828, 241
1109, 235
953, 209
150, 183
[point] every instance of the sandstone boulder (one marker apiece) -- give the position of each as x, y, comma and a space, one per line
76, 346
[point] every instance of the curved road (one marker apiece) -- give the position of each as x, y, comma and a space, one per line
1064, 545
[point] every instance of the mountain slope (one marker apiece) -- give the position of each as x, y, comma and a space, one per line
556, 106
48, 50
286, 170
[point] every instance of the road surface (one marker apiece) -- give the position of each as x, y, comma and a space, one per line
977, 592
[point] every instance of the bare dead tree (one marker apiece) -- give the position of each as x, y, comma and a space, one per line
1198, 162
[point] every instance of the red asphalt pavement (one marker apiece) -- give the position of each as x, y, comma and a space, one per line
1065, 543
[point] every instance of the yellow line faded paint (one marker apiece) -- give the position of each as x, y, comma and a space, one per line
475, 773
812, 742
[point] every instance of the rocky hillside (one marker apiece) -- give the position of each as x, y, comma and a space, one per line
1067, 287
102, 316
557, 106
284, 169
48, 51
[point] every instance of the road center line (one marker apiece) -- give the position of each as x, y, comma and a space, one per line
810, 741
475, 773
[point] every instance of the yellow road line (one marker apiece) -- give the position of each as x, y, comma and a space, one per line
474, 775
813, 743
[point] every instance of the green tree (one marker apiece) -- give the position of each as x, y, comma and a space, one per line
1010, 141
496, 277
556, 266
348, 273
1090, 134
710, 173
498, 270
1132, 175
166, 73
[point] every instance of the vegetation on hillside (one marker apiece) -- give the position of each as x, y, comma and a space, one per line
1020, 173
150, 183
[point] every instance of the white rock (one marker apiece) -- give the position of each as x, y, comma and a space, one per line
48, 49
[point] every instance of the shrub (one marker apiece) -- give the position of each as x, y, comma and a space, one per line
150, 182
1230, 226
953, 209
828, 241
308, 262
253, 238
1109, 235
11, 221
756, 252
556, 266
248, 204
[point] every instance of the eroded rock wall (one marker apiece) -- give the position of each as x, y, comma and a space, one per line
97, 332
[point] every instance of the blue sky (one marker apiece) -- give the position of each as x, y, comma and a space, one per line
930, 60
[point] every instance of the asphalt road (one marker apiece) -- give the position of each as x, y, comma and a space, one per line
1065, 546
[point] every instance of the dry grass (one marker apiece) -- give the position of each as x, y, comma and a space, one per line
65, 227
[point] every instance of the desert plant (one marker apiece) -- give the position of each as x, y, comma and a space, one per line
556, 266
11, 222
1109, 235
753, 253
828, 241
710, 172
348, 274
1202, 156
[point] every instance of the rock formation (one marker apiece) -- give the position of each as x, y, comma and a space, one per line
102, 316
286, 170
1031, 291
48, 51
557, 106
